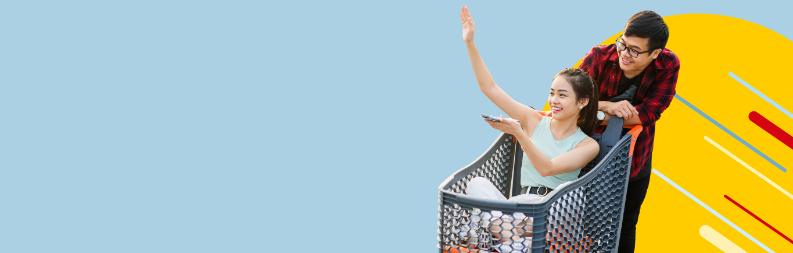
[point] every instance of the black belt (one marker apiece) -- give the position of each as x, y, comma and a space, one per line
542, 190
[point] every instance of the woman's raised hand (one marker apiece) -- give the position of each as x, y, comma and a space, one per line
468, 24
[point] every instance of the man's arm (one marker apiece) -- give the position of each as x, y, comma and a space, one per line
623, 109
660, 95
649, 110
633, 120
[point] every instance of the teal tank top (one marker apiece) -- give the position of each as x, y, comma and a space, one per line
548, 145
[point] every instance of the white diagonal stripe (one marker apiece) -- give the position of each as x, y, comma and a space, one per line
719, 240
711, 210
734, 157
761, 95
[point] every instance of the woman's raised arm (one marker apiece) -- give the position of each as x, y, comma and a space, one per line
526, 115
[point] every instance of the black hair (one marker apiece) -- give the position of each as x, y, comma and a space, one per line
648, 24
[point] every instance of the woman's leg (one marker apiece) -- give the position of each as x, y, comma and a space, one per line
513, 231
480, 187
527, 198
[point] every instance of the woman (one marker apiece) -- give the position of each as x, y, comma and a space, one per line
556, 146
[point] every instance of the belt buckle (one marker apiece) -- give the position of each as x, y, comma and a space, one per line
544, 192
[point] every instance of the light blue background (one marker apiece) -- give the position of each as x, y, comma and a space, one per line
248, 126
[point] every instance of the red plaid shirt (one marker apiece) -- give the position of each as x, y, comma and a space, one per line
654, 94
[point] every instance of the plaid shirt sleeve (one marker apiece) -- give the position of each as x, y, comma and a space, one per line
588, 63
659, 95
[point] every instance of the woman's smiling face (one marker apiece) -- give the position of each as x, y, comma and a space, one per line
562, 99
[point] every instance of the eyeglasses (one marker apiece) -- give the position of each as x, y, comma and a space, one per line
631, 52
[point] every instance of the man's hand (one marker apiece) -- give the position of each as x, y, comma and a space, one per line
623, 109
468, 24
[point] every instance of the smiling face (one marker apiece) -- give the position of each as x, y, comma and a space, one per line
563, 100
634, 54
644, 37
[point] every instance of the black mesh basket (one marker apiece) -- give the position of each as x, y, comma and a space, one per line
584, 215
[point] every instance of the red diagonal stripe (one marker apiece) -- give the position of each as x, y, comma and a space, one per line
771, 128
759, 219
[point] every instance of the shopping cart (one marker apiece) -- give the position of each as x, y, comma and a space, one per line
584, 215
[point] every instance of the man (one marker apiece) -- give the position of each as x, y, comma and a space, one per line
639, 64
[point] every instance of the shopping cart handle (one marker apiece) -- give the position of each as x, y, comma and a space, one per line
634, 132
